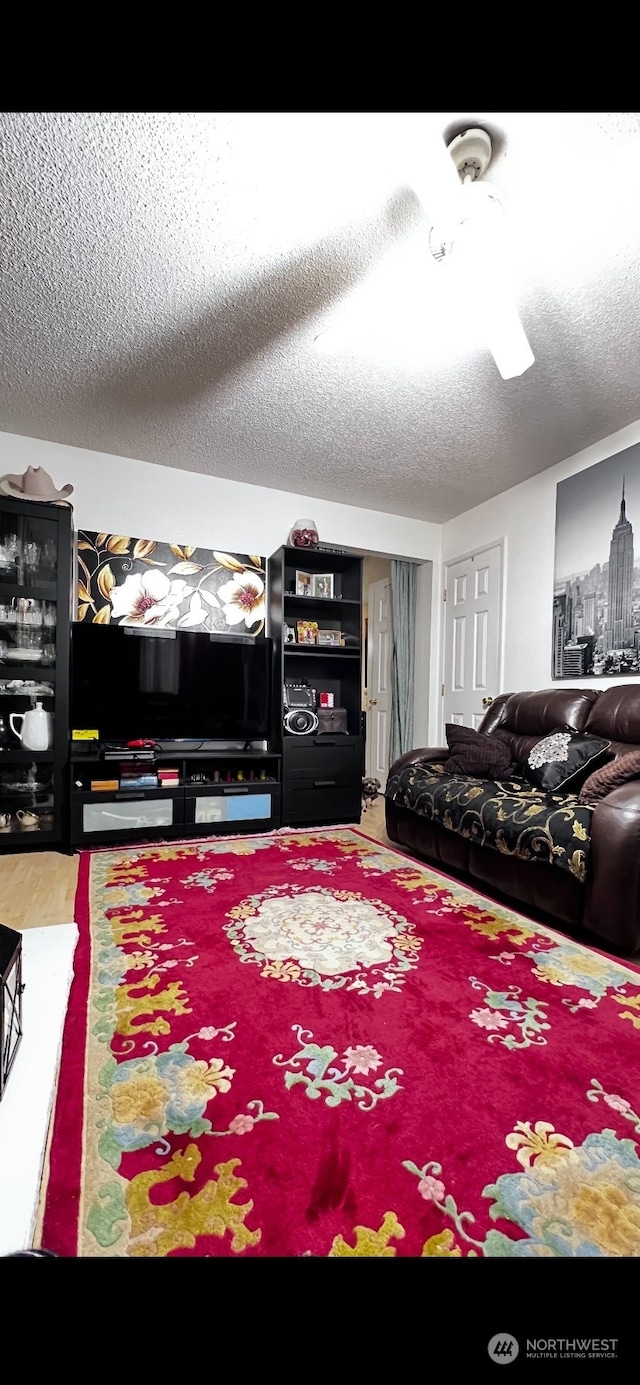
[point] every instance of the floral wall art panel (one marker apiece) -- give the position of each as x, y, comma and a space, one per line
129, 581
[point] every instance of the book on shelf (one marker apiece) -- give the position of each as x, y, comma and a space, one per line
143, 781
104, 785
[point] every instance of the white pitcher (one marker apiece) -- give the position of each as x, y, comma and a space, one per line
37, 727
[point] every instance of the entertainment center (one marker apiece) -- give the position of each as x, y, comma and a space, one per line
199, 803
202, 703
235, 733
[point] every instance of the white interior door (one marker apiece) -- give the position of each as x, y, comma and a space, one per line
472, 636
378, 680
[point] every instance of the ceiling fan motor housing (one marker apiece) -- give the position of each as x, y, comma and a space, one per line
471, 153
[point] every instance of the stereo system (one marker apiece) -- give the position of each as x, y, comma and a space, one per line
300, 721
300, 716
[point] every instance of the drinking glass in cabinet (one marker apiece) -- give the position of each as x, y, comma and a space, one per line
9, 549
50, 557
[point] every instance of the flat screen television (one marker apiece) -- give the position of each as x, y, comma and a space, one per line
170, 685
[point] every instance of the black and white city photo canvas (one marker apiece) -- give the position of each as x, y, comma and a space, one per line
596, 592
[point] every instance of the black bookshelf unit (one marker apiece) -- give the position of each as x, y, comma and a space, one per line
321, 773
36, 544
212, 793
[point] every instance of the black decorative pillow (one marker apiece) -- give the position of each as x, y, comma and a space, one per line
563, 759
476, 753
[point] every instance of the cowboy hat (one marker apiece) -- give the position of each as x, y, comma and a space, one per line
34, 484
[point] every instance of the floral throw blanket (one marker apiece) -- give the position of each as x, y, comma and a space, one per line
510, 816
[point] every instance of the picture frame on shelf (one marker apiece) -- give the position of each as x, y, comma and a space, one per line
329, 638
289, 634
307, 631
304, 584
322, 585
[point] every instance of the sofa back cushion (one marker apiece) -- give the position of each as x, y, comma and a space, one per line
616, 715
473, 752
538, 713
523, 718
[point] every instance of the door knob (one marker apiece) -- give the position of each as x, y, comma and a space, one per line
486, 701
373, 701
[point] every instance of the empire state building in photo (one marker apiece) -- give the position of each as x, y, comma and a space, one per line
619, 633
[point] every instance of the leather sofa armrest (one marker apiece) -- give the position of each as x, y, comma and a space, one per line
411, 757
612, 906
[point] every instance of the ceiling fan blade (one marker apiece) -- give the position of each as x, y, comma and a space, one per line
432, 174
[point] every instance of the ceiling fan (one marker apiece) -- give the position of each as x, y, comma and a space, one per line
472, 241
469, 240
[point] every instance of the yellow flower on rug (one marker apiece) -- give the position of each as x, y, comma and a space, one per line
200, 1081
160, 1094
538, 1145
140, 1100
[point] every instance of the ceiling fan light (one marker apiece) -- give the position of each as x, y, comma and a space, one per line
508, 343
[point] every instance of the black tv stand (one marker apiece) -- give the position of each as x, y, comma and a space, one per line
211, 793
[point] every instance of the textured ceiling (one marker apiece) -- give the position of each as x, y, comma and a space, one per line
164, 277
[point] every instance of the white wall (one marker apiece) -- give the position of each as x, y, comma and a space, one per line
525, 517
123, 496
119, 495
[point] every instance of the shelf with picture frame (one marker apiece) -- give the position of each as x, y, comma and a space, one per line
294, 602
314, 586
321, 773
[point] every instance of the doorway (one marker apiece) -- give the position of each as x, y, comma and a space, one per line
473, 616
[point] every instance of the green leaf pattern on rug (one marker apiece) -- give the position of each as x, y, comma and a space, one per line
244, 1122
504, 1008
106, 1213
337, 1084
616, 1103
432, 1189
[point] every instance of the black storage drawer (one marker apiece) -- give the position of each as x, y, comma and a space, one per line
97, 815
224, 790
322, 779
323, 756
233, 807
303, 801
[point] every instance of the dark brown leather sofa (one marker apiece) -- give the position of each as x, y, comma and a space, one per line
608, 903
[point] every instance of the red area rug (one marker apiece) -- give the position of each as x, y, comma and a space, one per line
307, 1044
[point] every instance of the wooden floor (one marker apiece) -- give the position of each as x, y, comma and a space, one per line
373, 824
37, 888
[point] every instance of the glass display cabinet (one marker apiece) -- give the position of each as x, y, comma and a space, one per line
35, 609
